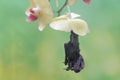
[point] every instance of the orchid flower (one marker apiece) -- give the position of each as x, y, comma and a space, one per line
41, 10
71, 2
87, 1
70, 22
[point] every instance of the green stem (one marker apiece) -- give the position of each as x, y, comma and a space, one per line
64, 5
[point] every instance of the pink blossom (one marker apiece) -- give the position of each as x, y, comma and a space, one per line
39, 10
87, 1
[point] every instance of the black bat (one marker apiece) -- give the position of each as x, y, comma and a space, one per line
73, 58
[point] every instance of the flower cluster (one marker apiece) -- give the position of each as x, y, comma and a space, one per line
70, 22
41, 10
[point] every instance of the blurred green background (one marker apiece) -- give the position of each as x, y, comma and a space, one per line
28, 54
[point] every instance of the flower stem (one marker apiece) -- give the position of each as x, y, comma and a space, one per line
64, 5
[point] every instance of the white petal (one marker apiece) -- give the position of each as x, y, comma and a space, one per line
74, 15
62, 25
27, 13
36, 9
79, 26
41, 27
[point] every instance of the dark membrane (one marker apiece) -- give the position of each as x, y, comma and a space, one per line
73, 58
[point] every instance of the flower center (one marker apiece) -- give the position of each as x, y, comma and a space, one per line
35, 10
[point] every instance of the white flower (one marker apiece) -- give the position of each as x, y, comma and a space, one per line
41, 10
70, 22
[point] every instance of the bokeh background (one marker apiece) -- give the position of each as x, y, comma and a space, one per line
28, 54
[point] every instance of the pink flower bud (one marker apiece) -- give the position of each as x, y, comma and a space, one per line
87, 1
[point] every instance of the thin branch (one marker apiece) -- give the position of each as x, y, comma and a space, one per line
64, 5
